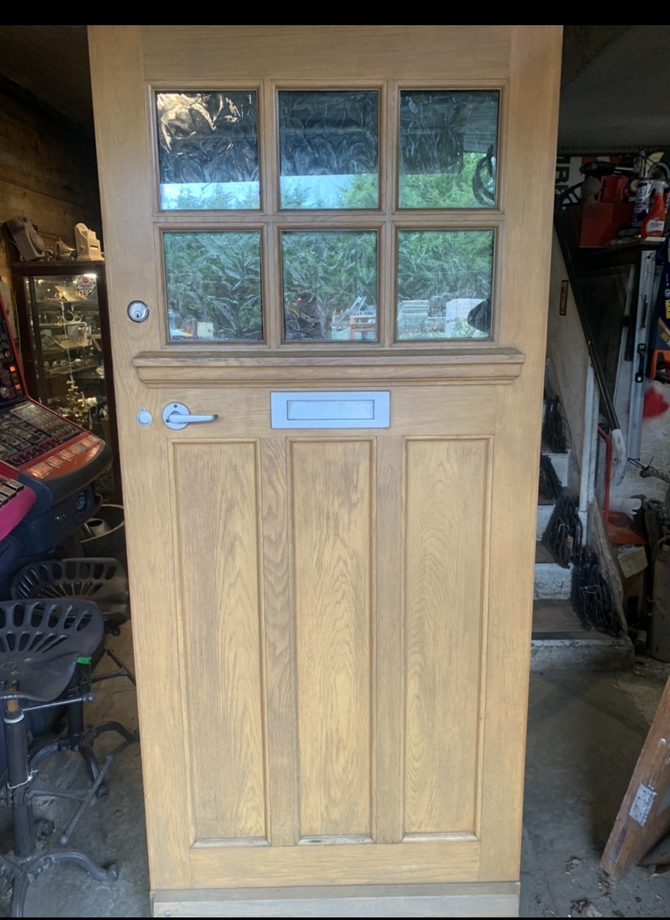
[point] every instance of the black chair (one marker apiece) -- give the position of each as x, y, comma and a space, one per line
40, 642
105, 582
101, 580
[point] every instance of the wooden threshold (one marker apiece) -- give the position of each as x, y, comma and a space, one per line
482, 899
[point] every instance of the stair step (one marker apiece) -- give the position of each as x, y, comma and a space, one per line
598, 652
543, 514
542, 554
561, 463
560, 642
563, 466
557, 620
552, 581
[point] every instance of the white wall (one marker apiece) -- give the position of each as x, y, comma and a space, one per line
567, 351
655, 444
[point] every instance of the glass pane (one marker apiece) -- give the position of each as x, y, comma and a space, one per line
213, 285
208, 150
444, 284
448, 148
329, 149
330, 285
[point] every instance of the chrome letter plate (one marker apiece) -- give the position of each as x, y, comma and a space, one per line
336, 409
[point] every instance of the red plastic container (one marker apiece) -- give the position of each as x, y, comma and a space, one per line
601, 221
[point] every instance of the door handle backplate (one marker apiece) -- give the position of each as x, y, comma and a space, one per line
177, 416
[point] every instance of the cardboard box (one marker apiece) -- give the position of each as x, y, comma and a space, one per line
632, 561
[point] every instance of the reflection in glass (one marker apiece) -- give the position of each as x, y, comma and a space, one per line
448, 148
213, 286
444, 284
208, 150
329, 149
330, 285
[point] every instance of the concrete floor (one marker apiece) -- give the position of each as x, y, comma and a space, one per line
585, 732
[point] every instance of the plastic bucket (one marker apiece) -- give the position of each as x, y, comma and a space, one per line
109, 533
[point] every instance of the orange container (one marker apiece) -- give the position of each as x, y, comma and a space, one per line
601, 221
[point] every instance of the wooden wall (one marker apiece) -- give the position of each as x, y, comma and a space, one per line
47, 173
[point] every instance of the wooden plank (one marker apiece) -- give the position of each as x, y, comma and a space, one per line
311, 356
485, 368
644, 816
444, 543
531, 150
480, 900
55, 217
279, 645
448, 860
40, 156
389, 656
219, 561
321, 53
245, 413
332, 483
46, 174
269, 179
121, 134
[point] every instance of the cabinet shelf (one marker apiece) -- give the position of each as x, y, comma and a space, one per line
62, 351
61, 325
50, 308
65, 371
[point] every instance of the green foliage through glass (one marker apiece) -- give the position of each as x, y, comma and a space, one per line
330, 285
445, 279
448, 148
213, 284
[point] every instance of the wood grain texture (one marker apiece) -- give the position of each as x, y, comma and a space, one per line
445, 517
415, 410
326, 53
121, 134
389, 638
221, 610
52, 215
47, 173
454, 860
530, 155
488, 366
37, 153
332, 533
279, 643
478, 900
329, 505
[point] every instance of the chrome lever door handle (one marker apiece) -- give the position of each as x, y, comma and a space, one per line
177, 416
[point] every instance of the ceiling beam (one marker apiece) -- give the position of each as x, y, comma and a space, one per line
583, 44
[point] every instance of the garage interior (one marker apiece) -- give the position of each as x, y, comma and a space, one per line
593, 693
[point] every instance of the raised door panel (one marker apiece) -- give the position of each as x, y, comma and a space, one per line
333, 487
217, 508
445, 560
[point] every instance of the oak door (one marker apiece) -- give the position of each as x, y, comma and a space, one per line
331, 618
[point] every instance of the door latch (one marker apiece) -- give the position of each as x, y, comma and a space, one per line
177, 416
138, 311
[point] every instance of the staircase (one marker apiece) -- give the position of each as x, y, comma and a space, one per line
558, 638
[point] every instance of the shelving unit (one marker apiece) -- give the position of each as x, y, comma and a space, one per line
64, 344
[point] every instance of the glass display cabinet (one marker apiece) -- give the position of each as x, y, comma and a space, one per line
63, 326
